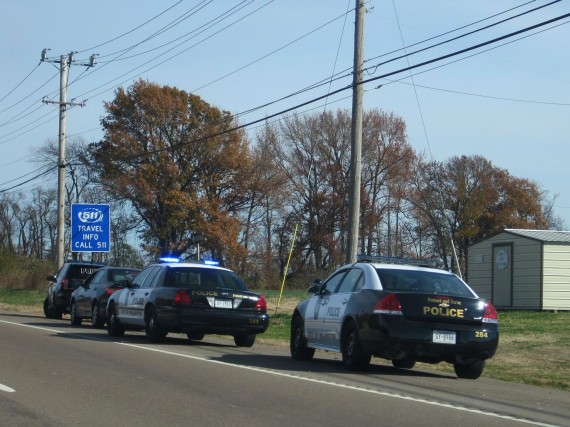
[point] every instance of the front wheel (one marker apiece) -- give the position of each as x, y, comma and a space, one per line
195, 336
246, 340
114, 327
298, 342
403, 363
46, 308
75, 319
154, 332
470, 371
353, 357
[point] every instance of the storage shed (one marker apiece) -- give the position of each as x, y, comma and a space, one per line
522, 269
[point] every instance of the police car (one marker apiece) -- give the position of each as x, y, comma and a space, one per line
190, 298
399, 310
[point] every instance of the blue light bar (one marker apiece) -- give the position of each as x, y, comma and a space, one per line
169, 259
211, 262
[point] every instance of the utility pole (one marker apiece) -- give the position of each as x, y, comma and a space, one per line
356, 136
63, 61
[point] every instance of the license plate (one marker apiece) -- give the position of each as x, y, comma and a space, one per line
223, 303
444, 337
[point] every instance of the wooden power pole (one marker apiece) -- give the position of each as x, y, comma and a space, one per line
356, 136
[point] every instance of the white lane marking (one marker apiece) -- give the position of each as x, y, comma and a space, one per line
312, 380
6, 388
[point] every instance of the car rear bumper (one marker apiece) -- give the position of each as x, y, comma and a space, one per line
228, 322
394, 337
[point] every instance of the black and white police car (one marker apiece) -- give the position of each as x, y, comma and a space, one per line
191, 298
398, 310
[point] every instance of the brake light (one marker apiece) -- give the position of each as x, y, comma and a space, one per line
389, 304
182, 298
65, 284
261, 304
110, 291
490, 314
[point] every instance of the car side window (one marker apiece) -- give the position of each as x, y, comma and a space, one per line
353, 278
98, 278
149, 281
137, 282
333, 282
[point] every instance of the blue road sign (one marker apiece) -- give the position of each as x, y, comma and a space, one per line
90, 228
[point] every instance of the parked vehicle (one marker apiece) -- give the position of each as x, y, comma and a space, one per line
402, 313
70, 276
190, 298
89, 301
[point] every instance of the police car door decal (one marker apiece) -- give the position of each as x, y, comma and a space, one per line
314, 318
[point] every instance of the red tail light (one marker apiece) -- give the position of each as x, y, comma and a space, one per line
110, 291
182, 298
65, 284
490, 314
389, 304
261, 304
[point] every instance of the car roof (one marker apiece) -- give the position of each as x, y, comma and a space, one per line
388, 266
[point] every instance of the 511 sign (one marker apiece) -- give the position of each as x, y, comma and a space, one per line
90, 229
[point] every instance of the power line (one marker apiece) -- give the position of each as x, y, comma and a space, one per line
421, 64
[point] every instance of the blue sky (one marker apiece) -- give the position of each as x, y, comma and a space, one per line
509, 101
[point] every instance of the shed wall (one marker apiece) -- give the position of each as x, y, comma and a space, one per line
526, 269
556, 277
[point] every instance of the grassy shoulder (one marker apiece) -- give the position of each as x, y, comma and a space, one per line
534, 347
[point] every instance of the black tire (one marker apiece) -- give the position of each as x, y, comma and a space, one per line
298, 342
195, 336
53, 312
154, 332
114, 327
470, 371
403, 363
246, 340
353, 357
96, 320
75, 319
46, 308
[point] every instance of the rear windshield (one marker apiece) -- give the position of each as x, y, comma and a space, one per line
425, 282
77, 273
120, 275
190, 277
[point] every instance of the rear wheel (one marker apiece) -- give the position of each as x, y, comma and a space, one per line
154, 332
403, 363
298, 342
75, 319
114, 327
470, 371
96, 320
353, 357
246, 340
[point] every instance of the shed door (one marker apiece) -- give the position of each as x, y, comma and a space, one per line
502, 275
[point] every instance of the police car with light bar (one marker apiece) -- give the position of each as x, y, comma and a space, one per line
396, 309
191, 298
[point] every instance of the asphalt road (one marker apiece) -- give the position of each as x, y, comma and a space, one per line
53, 374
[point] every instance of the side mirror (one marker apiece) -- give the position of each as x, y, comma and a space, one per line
52, 278
316, 286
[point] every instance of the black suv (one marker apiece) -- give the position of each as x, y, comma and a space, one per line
70, 276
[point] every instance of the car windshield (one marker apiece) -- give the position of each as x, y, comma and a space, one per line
190, 277
420, 281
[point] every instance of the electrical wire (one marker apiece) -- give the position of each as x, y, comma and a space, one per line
130, 31
398, 71
342, 89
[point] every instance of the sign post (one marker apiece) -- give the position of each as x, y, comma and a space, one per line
90, 228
